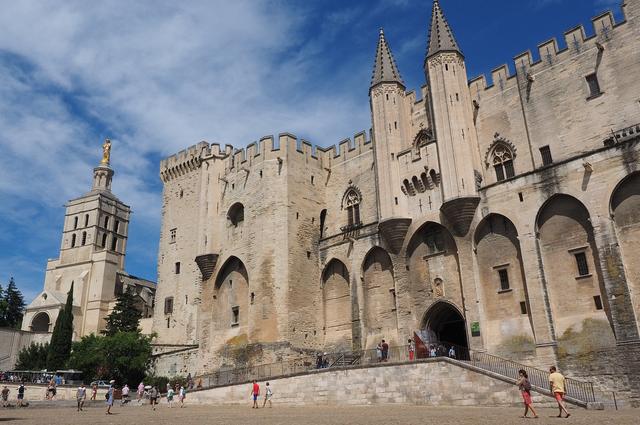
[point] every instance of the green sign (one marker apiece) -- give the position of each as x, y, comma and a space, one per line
475, 328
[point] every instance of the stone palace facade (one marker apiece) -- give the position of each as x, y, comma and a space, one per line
502, 215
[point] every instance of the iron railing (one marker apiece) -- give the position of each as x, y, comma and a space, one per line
539, 379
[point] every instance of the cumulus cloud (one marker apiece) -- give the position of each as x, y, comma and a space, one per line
156, 77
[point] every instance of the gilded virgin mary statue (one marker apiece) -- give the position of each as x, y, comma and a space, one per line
106, 152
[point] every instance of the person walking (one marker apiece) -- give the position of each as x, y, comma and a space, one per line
21, 390
452, 352
255, 392
140, 392
125, 394
94, 391
109, 396
81, 396
182, 395
525, 389
267, 395
385, 351
153, 397
5, 396
557, 384
379, 352
170, 394
411, 347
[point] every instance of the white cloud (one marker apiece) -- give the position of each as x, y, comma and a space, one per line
156, 77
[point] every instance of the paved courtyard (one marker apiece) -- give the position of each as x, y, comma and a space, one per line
373, 415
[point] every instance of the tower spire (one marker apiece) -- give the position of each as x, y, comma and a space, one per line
441, 38
384, 67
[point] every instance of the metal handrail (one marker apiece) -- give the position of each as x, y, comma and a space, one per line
539, 379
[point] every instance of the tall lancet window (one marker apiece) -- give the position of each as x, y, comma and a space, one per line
351, 203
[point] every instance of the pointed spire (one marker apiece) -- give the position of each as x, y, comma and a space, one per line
384, 68
440, 36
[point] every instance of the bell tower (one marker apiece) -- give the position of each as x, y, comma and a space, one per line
452, 117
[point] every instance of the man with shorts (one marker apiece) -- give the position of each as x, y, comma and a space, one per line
255, 392
153, 397
81, 396
21, 389
556, 382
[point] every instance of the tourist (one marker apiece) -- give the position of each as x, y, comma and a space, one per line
412, 349
51, 389
556, 381
379, 352
199, 386
81, 396
153, 397
189, 382
170, 394
125, 394
319, 361
109, 396
255, 392
94, 391
140, 392
452, 352
21, 390
267, 395
433, 352
5, 396
182, 395
525, 389
385, 351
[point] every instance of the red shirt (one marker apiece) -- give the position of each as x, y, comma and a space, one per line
256, 389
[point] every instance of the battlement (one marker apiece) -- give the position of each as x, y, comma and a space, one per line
184, 161
549, 53
286, 147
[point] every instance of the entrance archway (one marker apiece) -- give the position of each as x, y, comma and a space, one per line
443, 323
40, 322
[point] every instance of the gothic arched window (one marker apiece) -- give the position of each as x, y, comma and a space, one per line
502, 160
351, 202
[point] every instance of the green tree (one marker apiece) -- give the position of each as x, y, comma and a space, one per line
14, 305
60, 346
123, 356
33, 357
125, 316
3, 308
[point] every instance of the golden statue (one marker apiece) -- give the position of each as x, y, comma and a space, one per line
106, 152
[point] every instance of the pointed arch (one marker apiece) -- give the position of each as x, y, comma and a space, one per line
501, 154
571, 264
351, 202
380, 318
231, 264
231, 295
336, 297
503, 284
625, 210
41, 322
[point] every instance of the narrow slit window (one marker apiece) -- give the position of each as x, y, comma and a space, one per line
594, 85
73, 240
503, 274
581, 263
114, 243
235, 316
84, 238
86, 220
545, 152
75, 223
523, 307
168, 305
178, 267
104, 240
598, 302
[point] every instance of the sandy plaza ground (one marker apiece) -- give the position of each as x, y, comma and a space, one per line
317, 415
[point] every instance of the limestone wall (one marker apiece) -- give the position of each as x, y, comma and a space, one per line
433, 383
12, 341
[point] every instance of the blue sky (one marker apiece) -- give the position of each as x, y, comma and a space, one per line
158, 76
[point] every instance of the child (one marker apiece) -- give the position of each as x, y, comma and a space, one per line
267, 395
182, 395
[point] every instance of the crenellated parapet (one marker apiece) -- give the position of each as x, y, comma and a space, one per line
286, 148
549, 53
183, 162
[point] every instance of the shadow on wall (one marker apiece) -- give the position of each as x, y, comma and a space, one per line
591, 337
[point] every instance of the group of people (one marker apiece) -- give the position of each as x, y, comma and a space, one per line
255, 394
382, 351
20, 398
556, 385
